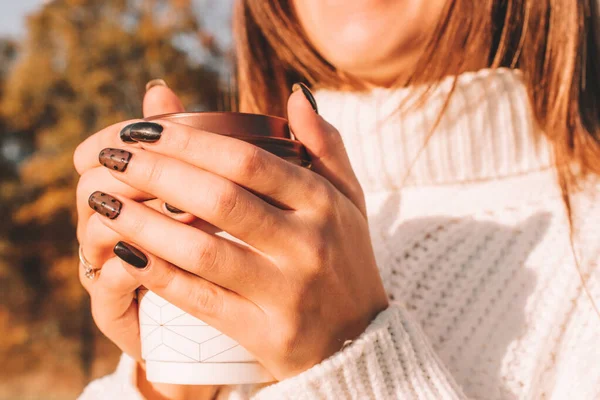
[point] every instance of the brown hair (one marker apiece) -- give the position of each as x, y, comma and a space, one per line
551, 41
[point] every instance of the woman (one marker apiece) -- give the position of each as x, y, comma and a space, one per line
479, 199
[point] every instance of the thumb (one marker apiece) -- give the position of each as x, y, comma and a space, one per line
159, 99
324, 144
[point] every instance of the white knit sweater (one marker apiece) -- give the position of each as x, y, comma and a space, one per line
472, 243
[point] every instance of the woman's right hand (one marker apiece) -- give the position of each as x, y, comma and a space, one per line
113, 291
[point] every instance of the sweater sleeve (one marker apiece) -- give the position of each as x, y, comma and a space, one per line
392, 359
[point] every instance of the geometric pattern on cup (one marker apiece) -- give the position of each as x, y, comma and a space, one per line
170, 334
166, 353
197, 334
212, 351
216, 346
151, 340
180, 344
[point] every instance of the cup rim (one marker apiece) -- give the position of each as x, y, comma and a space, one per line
191, 113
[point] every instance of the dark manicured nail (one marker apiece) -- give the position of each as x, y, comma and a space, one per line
172, 209
105, 204
125, 134
155, 82
115, 159
131, 255
141, 132
307, 93
148, 132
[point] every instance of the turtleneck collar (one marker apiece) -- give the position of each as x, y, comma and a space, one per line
487, 132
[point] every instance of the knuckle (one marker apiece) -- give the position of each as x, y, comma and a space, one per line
181, 141
154, 172
206, 300
250, 162
269, 222
334, 138
320, 253
316, 256
135, 226
228, 204
162, 281
94, 231
85, 184
314, 272
204, 255
324, 196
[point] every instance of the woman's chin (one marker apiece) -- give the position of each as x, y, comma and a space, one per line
377, 71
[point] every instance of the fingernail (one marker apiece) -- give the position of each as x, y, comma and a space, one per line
131, 255
125, 134
105, 204
172, 209
147, 132
115, 159
307, 93
155, 82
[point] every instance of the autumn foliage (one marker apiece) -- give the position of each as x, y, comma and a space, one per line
82, 65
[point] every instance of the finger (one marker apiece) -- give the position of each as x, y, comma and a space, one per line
175, 213
211, 197
98, 241
221, 261
85, 156
243, 163
113, 306
160, 99
324, 144
224, 310
101, 179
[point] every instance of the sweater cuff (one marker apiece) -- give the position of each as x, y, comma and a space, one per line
392, 359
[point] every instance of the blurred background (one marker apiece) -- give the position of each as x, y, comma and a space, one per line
67, 69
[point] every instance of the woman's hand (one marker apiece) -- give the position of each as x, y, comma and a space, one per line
308, 282
112, 294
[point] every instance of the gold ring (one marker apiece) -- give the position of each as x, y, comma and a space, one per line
90, 272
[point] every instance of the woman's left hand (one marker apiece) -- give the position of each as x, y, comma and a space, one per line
307, 283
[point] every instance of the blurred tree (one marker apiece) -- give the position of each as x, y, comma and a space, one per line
8, 53
83, 65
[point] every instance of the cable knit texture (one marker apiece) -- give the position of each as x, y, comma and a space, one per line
472, 241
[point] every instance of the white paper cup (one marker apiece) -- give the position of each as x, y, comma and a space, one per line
181, 349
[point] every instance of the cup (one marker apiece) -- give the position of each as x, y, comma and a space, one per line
177, 347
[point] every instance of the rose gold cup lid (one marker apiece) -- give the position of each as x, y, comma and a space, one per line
269, 133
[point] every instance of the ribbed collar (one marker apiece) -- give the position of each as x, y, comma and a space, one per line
487, 132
